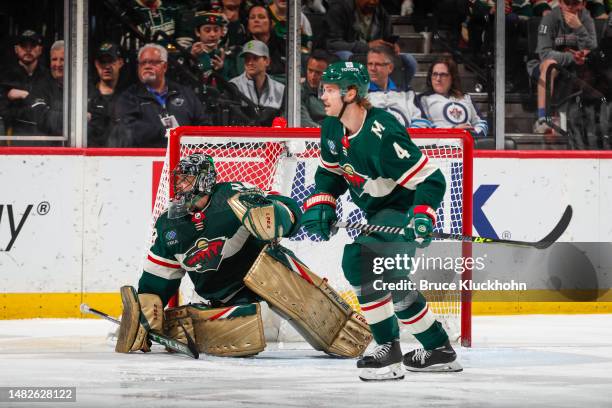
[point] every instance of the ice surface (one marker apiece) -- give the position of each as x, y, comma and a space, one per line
527, 361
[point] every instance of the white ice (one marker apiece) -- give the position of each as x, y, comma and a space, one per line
517, 361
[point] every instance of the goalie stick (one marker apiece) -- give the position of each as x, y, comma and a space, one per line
544, 243
190, 349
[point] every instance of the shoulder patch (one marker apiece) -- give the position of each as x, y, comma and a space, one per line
332, 146
170, 237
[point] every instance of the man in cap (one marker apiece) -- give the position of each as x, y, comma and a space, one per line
18, 79
103, 95
254, 83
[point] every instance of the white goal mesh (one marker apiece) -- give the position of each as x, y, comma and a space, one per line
285, 160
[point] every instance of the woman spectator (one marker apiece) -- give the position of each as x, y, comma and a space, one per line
445, 104
259, 27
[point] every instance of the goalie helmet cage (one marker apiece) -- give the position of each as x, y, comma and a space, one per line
285, 159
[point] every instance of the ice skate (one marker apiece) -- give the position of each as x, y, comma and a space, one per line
441, 359
383, 363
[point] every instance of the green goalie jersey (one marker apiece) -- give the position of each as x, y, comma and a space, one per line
380, 165
211, 246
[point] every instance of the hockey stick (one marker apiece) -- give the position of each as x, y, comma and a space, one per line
189, 349
544, 243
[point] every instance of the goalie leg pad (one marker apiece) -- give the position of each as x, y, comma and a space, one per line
313, 307
141, 314
175, 320
232, 331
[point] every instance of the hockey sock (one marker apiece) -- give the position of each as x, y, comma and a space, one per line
421, 322
379, 315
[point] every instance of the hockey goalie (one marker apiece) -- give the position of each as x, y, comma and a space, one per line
225, 237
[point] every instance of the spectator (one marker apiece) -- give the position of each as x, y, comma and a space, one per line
151, 17
566, 36
47, 98
18, 80
209, 30
541, 7
103, 95
234, 12
312, 111
597, 8
254, 83
147, 109
445, 104
259, 27
384, 94
354, 26
278, 11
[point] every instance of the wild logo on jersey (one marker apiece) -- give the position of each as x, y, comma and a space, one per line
205, 255
355, 179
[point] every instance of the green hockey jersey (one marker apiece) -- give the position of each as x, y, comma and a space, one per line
379, 165
211, 246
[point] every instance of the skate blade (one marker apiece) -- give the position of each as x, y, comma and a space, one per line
452, 367
391, 372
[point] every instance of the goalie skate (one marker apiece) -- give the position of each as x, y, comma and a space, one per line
441, 359
383, 363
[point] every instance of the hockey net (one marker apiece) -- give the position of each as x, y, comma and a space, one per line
285, 160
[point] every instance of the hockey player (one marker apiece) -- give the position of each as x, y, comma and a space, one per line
218, 233
367, 151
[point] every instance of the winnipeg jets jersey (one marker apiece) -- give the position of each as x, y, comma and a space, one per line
401, 105
449, 112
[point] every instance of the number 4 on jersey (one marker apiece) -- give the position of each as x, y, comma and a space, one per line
400, 151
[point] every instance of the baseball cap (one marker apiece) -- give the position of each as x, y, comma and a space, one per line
255, 47
107, 49
29, 36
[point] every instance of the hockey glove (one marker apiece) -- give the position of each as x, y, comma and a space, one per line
420, 225
265, 218
141, 313
319, 214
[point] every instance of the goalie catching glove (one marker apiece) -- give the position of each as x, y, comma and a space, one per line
265, 217
420, 226
141, 313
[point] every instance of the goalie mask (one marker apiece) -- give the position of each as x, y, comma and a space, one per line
193, 178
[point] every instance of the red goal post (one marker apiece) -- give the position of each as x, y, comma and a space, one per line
284, 159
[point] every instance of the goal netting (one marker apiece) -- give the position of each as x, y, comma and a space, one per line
285, 160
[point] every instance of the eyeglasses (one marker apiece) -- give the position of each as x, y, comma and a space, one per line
377, 64
441, 75
155, 63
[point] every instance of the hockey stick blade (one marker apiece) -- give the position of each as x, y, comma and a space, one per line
190, 349
544, 243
